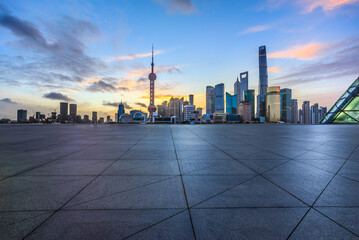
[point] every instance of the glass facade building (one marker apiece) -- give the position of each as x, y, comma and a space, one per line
21, 115
231, 103
64, 106
306, 112
237, 90
346, 109
249, 95
121, 110
219, 98
244, 84
286, 105
209, 100
294, 111
273, 104
263, 82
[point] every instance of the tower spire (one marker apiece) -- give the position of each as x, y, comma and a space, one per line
152, 60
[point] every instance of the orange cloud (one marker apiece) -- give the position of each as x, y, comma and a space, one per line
255, 29
273, 69
133, 56
301, 52
326, 5
71, 90
91, 80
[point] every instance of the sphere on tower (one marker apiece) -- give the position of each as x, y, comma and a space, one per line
152, 76
152, 108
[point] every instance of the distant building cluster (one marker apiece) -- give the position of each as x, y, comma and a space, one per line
274, 104
177, 110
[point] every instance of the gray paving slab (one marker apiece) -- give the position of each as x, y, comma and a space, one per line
345, 216
202, 187
303, 181
39, 192
162, 194
247, 223
100, 224
17, 225
340, 192
257, 192
178, 181
350, 170
143, 167
317, 226
71, 167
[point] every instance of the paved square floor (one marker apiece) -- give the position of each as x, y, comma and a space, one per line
179, 181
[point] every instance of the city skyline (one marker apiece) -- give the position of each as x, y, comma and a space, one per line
108, 66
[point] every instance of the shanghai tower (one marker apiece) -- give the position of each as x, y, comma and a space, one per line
263, 82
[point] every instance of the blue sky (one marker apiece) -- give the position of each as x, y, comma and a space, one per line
96, 53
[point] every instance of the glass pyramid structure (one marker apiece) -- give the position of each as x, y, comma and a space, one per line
346, 109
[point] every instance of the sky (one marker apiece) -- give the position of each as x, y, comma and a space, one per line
98, 53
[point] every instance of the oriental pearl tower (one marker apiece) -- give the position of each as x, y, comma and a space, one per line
152, 77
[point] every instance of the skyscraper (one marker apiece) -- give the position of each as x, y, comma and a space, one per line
199, 111
263, 82
244, 84
231, 103
188, 111
21, 116
237, 91
209, 100
219, 98
162, 109
94, 117
249, 95
306, 112
244, 110
175, 107
300, 116
38, 115
73, 112
191, 99
286, 105
152, 76
120, 111
273, 104
294, 111
63, 111
314, 113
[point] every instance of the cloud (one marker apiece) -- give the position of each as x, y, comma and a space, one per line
178, 6
309, 6
133, 56
255, 29
27, 31
163, 96
102, 86
327, 5
302, 52
142, 79
141, 104
115, 104
168, 69
7, 100
56, 54
57, 96
339, 61
273, 69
